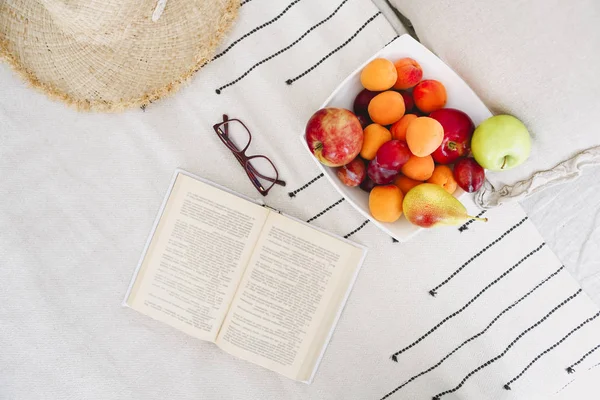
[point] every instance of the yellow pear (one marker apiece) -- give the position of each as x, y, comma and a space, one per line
428, 205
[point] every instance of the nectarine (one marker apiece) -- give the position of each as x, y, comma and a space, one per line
409, 73
429, 95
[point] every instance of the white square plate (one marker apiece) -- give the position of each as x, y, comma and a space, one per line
460, 96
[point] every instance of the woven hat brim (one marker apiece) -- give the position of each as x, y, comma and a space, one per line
119, 63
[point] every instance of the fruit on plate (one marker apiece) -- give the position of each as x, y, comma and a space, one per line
364, 120
374, 136
385, 203
424, 135
380, 175
353, 173
361, 106
409, 103
409, 73
458, 130
442, 175
334, 136
398, 129
501, 142
367, 184
418, 168
429, 205
386, 108
469, 175
429, 95
378, 75
393, 155
362, 100
405, 183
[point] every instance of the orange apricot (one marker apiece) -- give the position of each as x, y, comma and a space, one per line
405, 183
378, 75
386, 108
424, 135
409, 73
419, 168
385, 203
442, 175
429, 95
398, 129
374, 136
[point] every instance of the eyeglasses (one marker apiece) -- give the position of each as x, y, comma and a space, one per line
237, 137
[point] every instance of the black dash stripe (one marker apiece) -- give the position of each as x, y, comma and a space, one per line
549, 349
478, 334
454, 314
356, 230
562, 388
258, 28
293, 194
325, 210
394, 38
312, 28
465, 226
244, 2
570, 369
433, 291
511, 344
290, 81
593, 366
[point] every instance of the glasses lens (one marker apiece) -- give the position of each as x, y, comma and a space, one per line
263, 170
235, 135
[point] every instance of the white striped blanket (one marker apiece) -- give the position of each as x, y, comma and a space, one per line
481, 311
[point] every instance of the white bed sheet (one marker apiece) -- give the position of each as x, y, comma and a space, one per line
79, 193
568, 217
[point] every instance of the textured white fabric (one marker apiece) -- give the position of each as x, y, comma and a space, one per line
535, 59
390, 15
79, 193
564, 172
568, 218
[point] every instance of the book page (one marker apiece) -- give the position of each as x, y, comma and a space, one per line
290, 297
196, 257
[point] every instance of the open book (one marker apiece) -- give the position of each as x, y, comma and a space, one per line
262, 286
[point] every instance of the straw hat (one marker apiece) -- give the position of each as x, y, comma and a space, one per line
108, 55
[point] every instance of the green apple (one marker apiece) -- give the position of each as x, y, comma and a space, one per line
501, 142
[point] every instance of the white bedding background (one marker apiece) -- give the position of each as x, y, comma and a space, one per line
79, 193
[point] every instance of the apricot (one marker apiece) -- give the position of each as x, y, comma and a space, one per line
405, 183
419, 168
378, 75
409, 73
429, 95
385, 203
386, 108
398, 129
442, 175
374, 136
424, 135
